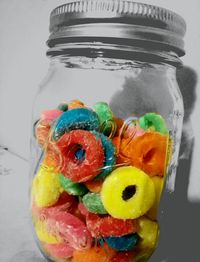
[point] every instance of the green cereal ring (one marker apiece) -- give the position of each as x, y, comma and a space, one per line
63, 107
72, 188
93, 203
153, 122
105, 115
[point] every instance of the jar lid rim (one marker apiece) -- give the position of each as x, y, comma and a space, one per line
126, 12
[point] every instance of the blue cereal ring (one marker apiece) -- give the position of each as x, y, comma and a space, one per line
124, 243
78, 118
109, 156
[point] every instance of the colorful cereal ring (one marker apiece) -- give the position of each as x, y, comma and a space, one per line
72, 188
63, 107
124, 243
105, 114
66, 202
71, 229
94, 185
158, 185
58, 252
108, 226
75, 104
43, 234
149, 234
46, 188
127, 193
123, 257
82, 143
147, 152
49, 116
78, 118
109, 156
154, 122
93, 203
94, 254
42, 133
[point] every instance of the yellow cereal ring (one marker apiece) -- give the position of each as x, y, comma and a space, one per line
127, 193
46, 188
43, 235
158, 185
149, 234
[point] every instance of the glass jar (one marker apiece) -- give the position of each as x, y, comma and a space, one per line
107, 124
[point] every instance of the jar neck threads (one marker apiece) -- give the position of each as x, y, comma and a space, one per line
143, 54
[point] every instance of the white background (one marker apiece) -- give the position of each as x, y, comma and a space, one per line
23, 64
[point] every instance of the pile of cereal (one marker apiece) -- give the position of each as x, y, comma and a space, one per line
97, 189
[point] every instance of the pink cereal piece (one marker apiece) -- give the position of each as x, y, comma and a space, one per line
49, 116
59, 251
66, 202
83, 210
71, 229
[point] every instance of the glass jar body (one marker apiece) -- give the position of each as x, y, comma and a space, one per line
140, 111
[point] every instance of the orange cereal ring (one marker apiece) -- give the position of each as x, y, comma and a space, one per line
94, 185
94, 254
42, 133
75, 104
147, 152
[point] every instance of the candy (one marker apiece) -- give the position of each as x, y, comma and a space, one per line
63, 107
127, 193
95, 254
147, 152
72, 188
82, 155
61, 251
71, 229
42, 133
158, 185
107, 124
94, 185
75, 104
78, 118
93, 203
52, 157
49, 116
154, 122
43, 235
149, 233
108, 226
123, 257
109, 156
124, 243
65, 202
46, 188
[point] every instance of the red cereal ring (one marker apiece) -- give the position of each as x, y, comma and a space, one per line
82, 155
123, 256
108, 226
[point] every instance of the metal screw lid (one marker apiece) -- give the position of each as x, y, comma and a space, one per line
117, 21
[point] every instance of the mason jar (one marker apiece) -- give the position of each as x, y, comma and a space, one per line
107, 123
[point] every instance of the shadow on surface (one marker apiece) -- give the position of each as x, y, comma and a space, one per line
180, 230
179, 223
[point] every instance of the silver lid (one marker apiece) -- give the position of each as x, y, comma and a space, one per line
117, 21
